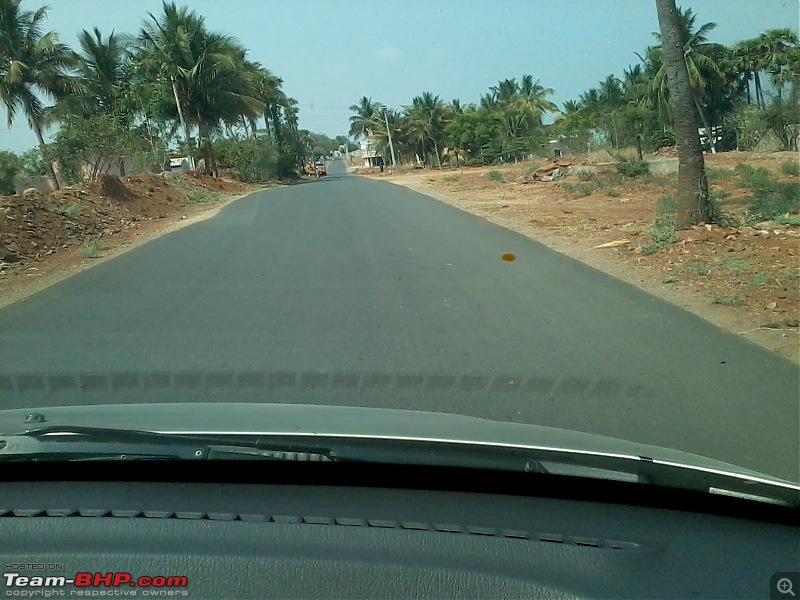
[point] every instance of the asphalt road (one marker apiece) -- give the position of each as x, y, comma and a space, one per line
351, 291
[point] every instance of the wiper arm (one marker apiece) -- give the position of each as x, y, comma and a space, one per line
71, 443
98, 443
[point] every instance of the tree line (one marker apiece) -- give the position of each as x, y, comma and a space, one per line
175, 81
744, 91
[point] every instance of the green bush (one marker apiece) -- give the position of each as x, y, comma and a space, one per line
721, 173
631, 167
732, 300
663, 230
585, 175
760, 280
758, 179
718, 217
10, 165
91, 145
201, 197
495, 175
71, 210
738, 265
794, 221
91, 248
790, 168
32, 163
771, 197
579, 190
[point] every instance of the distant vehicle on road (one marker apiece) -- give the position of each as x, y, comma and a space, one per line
319, 168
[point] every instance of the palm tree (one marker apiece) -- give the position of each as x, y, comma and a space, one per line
207, 70
775, 49
489, 102
362, 122
692, 192
532, 99
456, 108
33, 64
397, 127
428, 118
102, 67
697, 53
746, 58
570, 107
505, 90
268, 90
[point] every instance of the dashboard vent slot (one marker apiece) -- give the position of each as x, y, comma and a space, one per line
448, 528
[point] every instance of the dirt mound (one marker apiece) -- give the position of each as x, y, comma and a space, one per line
35, 225
155, 198
39, 225
217, 185
112, 187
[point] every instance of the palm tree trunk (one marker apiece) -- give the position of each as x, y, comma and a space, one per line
747, 78
692, 190
436, 149
276, 124
37, 129
705, 124
759, 91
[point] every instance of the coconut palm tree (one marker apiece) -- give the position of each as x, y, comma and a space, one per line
268, 90
570, 107
362, 122
102, 66
532, 99
33, 65
693, 203
210, 80
697, 52
505, 90
428, 117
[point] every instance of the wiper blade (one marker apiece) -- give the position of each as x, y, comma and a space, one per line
73, 443
97, 443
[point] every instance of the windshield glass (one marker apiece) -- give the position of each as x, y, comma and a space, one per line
555, 215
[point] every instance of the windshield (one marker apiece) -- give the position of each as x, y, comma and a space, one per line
541, 214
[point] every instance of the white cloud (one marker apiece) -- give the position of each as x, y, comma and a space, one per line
387, 54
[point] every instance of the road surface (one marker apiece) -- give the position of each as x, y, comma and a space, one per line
351, 291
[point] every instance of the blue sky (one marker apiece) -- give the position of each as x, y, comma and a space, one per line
332, 52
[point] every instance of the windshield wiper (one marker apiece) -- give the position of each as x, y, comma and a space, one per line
74, 443
97, 443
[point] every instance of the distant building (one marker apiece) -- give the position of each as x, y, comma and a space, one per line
368, 154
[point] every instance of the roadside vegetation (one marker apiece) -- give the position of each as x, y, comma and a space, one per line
746, 95
175, 87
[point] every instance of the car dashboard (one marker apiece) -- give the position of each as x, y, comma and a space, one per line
274, 530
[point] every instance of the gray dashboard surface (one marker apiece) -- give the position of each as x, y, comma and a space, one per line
296, 541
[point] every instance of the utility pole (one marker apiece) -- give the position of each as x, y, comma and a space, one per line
389, 133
